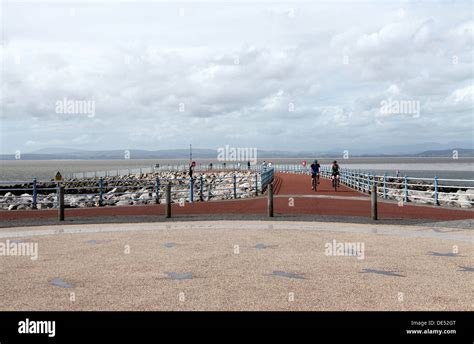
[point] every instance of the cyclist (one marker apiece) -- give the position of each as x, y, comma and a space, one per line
314, 174
335, 171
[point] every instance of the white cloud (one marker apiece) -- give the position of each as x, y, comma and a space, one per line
236, 69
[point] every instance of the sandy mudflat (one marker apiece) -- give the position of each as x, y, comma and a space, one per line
404, 267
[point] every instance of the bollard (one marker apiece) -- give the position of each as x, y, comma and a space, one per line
35, 194
406, 189
235, 187
157, 190
373, 199
191, 190
168, 201
101, 192
270, 199
60, 202
256, 185
201, 189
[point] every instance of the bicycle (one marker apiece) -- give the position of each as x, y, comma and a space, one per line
315, 182
335, 181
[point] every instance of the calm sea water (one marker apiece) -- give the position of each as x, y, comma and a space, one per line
462, 168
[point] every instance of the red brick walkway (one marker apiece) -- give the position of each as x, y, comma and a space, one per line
294, 197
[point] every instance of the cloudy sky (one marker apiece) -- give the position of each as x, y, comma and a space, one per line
282, 76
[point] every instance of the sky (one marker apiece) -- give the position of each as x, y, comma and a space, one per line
295, 76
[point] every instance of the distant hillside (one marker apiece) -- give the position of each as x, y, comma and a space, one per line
462, 152
199, 153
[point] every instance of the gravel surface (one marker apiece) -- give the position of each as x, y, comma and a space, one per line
239, 265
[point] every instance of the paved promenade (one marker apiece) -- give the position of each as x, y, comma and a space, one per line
293, 197
238, 265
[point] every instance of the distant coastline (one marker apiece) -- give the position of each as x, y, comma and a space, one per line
59, 154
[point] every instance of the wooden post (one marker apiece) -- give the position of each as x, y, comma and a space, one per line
406, 188
373, 198
235, 186
157, 190
101, 192
191, 190
168, 201
201, 189
270, 199
60, 202
35, 194
256, 185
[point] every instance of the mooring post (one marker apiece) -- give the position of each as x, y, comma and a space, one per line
60, 196
168, 201
373, 198
35, 194
270, 199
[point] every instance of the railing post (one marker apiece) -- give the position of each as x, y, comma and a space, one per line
101, 192
201, 189
157, 190
385, 185
406, 188
168, 201
35, 194
191, 189
270, 199
436, 203
235, 187
373, 201
60, 196
358, 181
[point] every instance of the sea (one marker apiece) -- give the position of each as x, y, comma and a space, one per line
449, 168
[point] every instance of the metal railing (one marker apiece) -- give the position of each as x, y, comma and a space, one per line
123, 191
167, 168
434, 190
